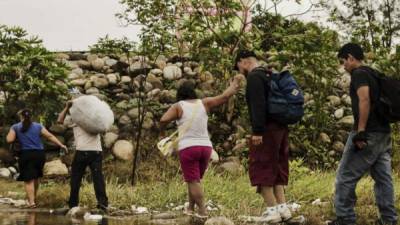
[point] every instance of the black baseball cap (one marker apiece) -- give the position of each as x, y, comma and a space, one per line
242, 54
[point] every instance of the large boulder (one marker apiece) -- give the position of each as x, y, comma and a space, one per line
98, 64
172, 72
109, 139
123, 150
55, 168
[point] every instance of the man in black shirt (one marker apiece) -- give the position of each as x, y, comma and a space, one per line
269, 148
368, 146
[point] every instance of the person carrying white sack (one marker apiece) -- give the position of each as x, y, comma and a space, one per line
88, 154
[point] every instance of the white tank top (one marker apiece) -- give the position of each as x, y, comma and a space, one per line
197, 133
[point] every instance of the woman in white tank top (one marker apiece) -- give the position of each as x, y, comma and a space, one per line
195, 146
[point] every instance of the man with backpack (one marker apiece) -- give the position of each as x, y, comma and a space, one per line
269, 147
369, 144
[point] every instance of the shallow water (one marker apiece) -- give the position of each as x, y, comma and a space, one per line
25, 218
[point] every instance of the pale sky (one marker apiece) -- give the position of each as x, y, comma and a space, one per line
65, 25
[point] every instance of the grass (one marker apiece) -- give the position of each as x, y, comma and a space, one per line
233, 193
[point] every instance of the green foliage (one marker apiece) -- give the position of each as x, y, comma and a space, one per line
112, 47
374, 24
30, 76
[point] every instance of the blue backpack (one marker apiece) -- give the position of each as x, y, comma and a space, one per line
285, 101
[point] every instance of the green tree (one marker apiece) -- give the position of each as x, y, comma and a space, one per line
30, 76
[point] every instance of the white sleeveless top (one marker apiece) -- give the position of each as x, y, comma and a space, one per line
197, 133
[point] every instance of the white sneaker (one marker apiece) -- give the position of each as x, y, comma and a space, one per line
284, 212
271, 215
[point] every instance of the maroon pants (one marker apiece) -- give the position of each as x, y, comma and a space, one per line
194, 162
269, 161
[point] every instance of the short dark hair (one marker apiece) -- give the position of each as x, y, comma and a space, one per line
186, 91
353, 49
242, 54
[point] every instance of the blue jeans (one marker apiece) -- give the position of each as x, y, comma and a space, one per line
375, 159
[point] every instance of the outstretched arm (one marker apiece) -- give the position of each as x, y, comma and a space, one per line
49, 136
212, 102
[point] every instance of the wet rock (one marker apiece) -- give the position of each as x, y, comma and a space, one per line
172, 72
220, 220
55, 167
5, 173
77, 212
109, 139
139, 210
77, 56
165, 216
123, 150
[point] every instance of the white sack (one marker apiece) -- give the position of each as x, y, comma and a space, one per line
92, 114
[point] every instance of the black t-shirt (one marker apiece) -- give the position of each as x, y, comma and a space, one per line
360, 77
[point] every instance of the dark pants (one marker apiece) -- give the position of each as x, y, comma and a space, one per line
374, 159
93, 159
